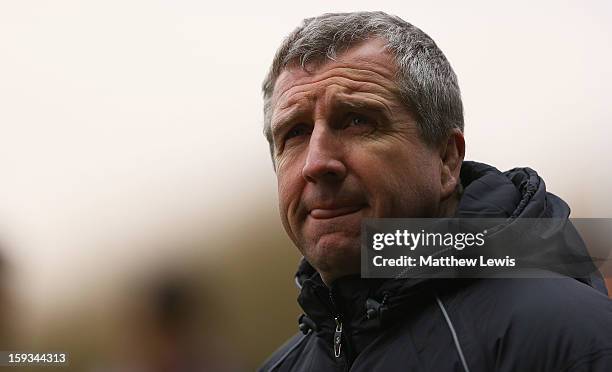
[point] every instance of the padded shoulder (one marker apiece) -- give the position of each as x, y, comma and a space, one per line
282, 352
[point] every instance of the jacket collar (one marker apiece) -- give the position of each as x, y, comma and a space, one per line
366, 304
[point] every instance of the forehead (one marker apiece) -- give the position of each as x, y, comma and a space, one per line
368, 61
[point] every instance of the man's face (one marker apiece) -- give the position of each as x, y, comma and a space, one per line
346, 148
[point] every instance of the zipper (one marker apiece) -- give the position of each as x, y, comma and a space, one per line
338, 338
338, 331
341, 345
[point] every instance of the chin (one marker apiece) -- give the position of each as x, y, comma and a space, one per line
335, 251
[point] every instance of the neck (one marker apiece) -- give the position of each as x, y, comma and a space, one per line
448, 207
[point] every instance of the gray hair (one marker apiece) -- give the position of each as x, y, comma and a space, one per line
427, 83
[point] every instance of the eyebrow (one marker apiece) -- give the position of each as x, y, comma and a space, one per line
287, 115
361, 104
338, 103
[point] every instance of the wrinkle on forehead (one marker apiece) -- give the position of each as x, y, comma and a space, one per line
351, 80
369, 60
302, 99
327, 90
365, 71
335, 96
371, 55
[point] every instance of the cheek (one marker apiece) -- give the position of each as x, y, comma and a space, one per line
384, 181
284, 195
423, 179
284, 203
400, 183
289, 191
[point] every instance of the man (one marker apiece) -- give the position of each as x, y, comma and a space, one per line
364, 118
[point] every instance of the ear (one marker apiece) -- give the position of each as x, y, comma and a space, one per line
452, 153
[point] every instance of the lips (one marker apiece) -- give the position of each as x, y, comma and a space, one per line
326, 213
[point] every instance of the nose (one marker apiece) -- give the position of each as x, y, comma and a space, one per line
324, 161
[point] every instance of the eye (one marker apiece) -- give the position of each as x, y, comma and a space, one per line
358, 120
297, 131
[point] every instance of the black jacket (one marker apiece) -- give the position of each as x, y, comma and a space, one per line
544, 324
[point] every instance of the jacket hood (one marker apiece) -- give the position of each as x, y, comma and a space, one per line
487, 193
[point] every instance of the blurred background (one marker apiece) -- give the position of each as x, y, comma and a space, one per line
139, 228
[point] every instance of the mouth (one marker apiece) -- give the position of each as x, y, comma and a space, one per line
327, 213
